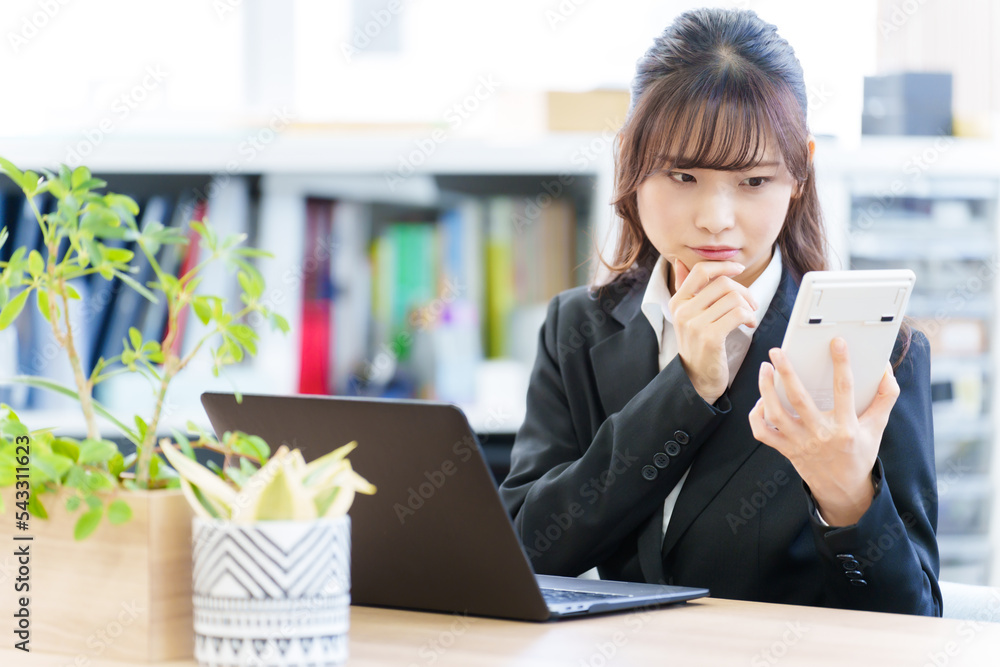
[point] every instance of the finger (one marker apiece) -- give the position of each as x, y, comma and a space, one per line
843, 383
702, 274
774, 411
763, 431
876, 416
795, 391
720, 287
681, 272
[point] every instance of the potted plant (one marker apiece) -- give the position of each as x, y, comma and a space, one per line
132, 576
271, 554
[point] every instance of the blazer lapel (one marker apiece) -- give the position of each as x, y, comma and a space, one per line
625, 361
733, 442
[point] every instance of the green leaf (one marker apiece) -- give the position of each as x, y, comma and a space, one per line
127, 203
101, 222
58, 189
66, 447
253, 252
72, 503
280, 322
184, 442
134, 284
135, 338
118, 255
252, 445
119, 512
36, 507
202, 309
72, 293
15, 174
91, 184
96, 451
13, 308
36, 265
52, 466
87, 523
43, 303
116, 464
30, 182
80, 175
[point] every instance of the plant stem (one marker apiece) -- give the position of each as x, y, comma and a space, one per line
83, 386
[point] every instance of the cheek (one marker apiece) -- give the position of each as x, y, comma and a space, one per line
769, 214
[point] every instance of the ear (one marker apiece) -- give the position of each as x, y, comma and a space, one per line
811, 143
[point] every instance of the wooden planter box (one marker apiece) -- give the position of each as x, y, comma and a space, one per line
123, 593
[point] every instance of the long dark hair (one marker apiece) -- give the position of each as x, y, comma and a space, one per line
711, 90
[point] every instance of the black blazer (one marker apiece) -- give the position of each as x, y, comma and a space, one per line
607, 436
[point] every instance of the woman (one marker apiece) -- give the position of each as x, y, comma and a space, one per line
654, 446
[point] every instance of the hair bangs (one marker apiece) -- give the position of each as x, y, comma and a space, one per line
721, 123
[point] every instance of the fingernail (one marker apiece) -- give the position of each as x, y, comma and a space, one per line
775, 354
839, 345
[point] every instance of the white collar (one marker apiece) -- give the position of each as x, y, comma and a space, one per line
657, 295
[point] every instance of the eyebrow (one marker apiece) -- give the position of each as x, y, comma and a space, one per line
672, 159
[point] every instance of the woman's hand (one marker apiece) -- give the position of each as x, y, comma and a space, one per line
834, 452
706, 306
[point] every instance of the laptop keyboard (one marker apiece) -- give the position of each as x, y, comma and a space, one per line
559, 596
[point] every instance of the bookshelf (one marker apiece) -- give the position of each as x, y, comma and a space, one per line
362, 175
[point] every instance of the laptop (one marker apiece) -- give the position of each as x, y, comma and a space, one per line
435, 536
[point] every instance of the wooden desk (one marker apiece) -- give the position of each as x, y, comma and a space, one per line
705, 632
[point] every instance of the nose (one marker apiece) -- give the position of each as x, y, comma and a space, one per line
716, 211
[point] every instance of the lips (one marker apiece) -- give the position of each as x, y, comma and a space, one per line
716, 253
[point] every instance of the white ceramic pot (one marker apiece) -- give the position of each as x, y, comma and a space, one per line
273, 593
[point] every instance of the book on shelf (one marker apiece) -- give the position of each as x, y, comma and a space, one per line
316, 333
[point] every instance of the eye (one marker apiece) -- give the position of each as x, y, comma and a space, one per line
681, 177
756, 181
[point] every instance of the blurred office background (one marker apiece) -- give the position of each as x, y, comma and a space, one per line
429, 173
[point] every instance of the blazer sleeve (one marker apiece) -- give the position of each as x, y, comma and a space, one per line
888, 561
574, 496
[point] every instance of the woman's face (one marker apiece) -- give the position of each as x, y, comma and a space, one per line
705, 215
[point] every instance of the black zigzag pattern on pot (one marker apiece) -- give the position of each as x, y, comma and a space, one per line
245, 562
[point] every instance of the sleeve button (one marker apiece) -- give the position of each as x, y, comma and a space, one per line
858, 582
854, 575
661, 460
649, 473
681, 437
672, 447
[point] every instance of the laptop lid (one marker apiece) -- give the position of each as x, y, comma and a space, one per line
435, 536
